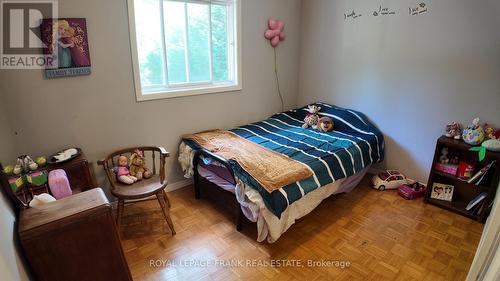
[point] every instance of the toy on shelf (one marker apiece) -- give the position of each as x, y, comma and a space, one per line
312, 117
138, 166
8, 170
443, 159
453, 130
26, 164
41, 161
390, 179
447, 163
325, 124
489, 131
465, 170
64, 155
412, 191
122, 171
474, 134
492, 145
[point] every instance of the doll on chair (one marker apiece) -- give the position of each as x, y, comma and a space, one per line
122, 171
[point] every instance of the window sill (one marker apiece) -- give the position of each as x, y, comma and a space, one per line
186, 92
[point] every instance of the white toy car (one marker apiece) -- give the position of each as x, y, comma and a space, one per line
390, 179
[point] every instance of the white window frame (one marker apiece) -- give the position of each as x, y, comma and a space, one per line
188, 89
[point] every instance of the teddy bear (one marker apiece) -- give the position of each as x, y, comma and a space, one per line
312, 117
138, 167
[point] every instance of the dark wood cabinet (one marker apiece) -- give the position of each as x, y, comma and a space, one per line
464, 191
79, 172
74, 238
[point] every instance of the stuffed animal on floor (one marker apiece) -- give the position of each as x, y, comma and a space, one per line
312, 117
325, 124
138, 167
122, 172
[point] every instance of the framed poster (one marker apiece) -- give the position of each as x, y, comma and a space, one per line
66, 47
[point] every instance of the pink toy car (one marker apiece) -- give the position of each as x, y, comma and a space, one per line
412, 191
390, 179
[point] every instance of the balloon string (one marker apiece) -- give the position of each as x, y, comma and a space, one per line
277, 80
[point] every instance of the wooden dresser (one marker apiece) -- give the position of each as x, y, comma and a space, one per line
74, 238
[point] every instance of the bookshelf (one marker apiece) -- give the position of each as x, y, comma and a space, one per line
463, 191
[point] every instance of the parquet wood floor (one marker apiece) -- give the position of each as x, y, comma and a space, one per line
381, 235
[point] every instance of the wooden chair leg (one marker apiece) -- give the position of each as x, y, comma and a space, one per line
166, 211
166, 199
119, 212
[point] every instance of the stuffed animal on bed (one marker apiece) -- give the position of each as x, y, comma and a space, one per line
325, 124
138, 167
312, 117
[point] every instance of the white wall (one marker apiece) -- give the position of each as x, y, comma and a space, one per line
410, 74
11, 267
99, 113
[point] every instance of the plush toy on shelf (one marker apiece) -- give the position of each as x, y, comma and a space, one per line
138, 166
453, 130
489, 132
312, 117
474, 134
443, 159
325, 124
25, 164
8, 170
122, 171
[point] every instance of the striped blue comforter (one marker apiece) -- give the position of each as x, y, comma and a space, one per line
354, 144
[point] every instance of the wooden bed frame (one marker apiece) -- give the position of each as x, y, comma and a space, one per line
208, 189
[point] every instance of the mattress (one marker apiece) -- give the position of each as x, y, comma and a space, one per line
354, 145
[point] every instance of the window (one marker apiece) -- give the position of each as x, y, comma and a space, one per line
184, 47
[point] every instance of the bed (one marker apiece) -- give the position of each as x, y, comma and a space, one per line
337, 160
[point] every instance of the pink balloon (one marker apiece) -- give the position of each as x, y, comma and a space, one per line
280, 25
282, 36
275, 41
272, 24
275, 32
269, 34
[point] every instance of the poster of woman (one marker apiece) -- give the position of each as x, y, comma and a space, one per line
65, 47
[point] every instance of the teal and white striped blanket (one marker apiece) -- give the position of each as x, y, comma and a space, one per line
354, 144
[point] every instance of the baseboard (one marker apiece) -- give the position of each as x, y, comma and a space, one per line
178, 184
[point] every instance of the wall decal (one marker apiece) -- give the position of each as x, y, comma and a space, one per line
383, 12
351, 15
419, 9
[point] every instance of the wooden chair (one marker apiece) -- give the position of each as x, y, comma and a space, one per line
142, 189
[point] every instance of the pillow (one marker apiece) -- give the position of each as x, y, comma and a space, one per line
492, 145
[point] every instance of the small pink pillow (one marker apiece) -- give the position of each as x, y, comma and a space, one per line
59, 184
